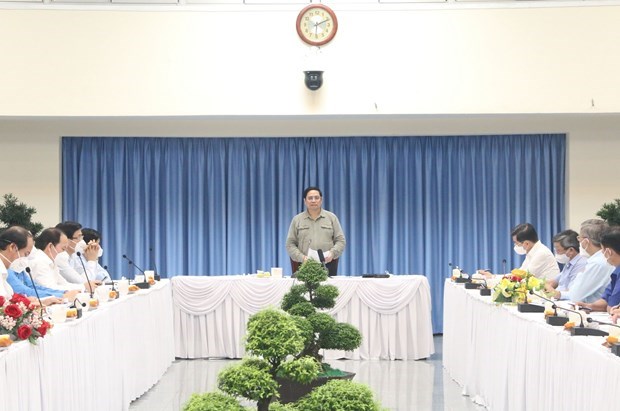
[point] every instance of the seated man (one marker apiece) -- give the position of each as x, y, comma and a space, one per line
610, 300
566, 252
49, 244
539, 260
95, 270
589, 285
68, 260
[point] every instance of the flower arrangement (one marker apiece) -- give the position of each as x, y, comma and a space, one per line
514, 287
20, 320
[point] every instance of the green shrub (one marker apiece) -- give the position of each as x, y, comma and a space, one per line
610, 212
303, 370
212, 401
248, 381
273, 334
339, 395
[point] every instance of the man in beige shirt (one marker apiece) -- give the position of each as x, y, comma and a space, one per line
316, 229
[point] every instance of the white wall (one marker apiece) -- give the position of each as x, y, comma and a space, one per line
237, 71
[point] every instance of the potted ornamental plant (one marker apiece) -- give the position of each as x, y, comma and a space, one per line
610, 212
274, 343
13, 212
307, 303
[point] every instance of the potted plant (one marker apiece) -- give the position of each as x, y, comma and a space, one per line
12, 212
610, 212
339, 395
274, 343
307, 303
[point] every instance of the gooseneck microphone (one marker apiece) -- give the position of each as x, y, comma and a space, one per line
554, 319
78, 306
592, 320
90, 287
156, 276
35, 289
134, 264
504, 266
105, 267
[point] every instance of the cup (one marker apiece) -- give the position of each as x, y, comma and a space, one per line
276, 272
103, 293
123, 287
150, 275
58, 313
139, 278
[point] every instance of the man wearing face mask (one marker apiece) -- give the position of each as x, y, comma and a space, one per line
610, 300
567, 253
21, 282
49, 244
68, 261
589, 284
95, 270
539, 260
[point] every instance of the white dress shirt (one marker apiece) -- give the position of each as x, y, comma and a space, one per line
66, 270
540, 262
94, 270
589, 284
47, 273
5, 288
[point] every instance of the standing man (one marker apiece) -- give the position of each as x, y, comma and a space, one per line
315, 229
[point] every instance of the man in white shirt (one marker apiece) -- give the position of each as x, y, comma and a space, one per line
590, 284
49, 244
68, 261
95, 271
539, 260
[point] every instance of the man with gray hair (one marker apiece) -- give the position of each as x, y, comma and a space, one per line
566, 248
589, 285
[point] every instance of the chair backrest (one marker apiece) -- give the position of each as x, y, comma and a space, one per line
294, 266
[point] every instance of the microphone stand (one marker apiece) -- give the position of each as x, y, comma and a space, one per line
156, 276
554, 319
35, 289
582, 329
78, 307
90, 287
615, 348
105, 267
529, 308
143, 285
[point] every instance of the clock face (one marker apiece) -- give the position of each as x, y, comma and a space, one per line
317, 24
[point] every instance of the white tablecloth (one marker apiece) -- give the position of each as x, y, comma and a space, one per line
393, 314
508, 360
102, 361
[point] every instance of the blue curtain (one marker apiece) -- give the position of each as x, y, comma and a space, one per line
408, 205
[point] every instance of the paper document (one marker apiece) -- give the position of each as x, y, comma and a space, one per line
314, 255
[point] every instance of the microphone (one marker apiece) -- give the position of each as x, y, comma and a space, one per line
143, 284
105, 267
156, 276
592, 320
78, 306
504, 266
35, 289
582, 329
527, 307
554, 319
90, 287
460, 279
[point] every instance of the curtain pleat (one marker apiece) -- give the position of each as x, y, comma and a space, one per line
408, 205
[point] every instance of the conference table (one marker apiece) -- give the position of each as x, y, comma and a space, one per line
393, 314
102, 361
507, 360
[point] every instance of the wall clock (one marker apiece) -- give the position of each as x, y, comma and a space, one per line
317, 24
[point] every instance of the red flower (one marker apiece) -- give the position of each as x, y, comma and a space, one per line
20, 298
24, 331
2, 301
12, 310
43, 328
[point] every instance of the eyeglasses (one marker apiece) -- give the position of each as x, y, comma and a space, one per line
579, 238
310, 198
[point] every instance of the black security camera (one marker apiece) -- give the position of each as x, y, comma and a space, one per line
314, 79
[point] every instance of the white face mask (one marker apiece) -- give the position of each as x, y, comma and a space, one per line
100, 252
562, 258
80, 246
519, 250
19, 264
582, 249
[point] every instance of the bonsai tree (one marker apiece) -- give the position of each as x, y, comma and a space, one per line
306, 301
12, 212
274, 343
610, 212
339, 395
212, 401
